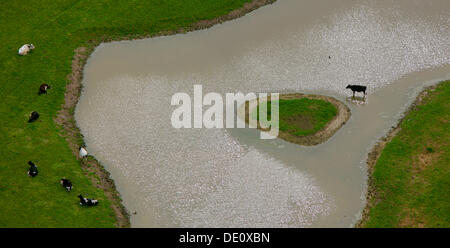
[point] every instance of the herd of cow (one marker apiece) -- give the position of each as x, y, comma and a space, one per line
33, 170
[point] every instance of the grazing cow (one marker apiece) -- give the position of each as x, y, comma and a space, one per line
357, 88
66, 183
33, 116
25, 49
33, 171
87, 202
43, 89
83, 152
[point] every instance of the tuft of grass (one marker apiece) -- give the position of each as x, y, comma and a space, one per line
57, 28
412, 175
300, 117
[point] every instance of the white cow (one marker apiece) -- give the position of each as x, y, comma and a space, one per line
83, 152
25, 49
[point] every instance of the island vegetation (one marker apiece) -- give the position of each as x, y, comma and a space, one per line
304, 119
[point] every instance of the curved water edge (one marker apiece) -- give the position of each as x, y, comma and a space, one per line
230, 177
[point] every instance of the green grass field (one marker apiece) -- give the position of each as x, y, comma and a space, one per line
412, 174
57, 28
300, 117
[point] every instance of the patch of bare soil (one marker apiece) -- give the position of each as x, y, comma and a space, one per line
66, 118
301, 121
343, 115
412, 220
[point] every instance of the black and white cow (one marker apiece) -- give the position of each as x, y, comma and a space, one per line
32, 171
43, 89
25, 49
357, 88
66, 183
83, 153
87, 202
33, 116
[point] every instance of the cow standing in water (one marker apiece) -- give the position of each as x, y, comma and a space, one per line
357, 88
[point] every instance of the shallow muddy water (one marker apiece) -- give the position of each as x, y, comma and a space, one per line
229, 177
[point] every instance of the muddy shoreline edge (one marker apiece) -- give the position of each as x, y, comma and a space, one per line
378, 148
65, 117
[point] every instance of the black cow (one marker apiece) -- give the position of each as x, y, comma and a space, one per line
87, 202
357, 88
66, 183
43, 88
33, 116
33, 171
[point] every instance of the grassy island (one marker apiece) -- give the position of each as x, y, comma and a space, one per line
306, 119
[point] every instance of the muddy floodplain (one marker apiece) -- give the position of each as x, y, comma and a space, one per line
230, 177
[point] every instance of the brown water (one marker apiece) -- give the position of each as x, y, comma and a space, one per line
229, 177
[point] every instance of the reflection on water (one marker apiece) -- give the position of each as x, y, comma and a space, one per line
223, 178
357, 100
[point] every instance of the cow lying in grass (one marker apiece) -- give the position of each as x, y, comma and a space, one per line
87, 202
25, 49
43, 89
32, 171
33, 116
66, 183
83, 152
357, 88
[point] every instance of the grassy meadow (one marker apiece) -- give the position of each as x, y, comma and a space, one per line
57, 28
412, 175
